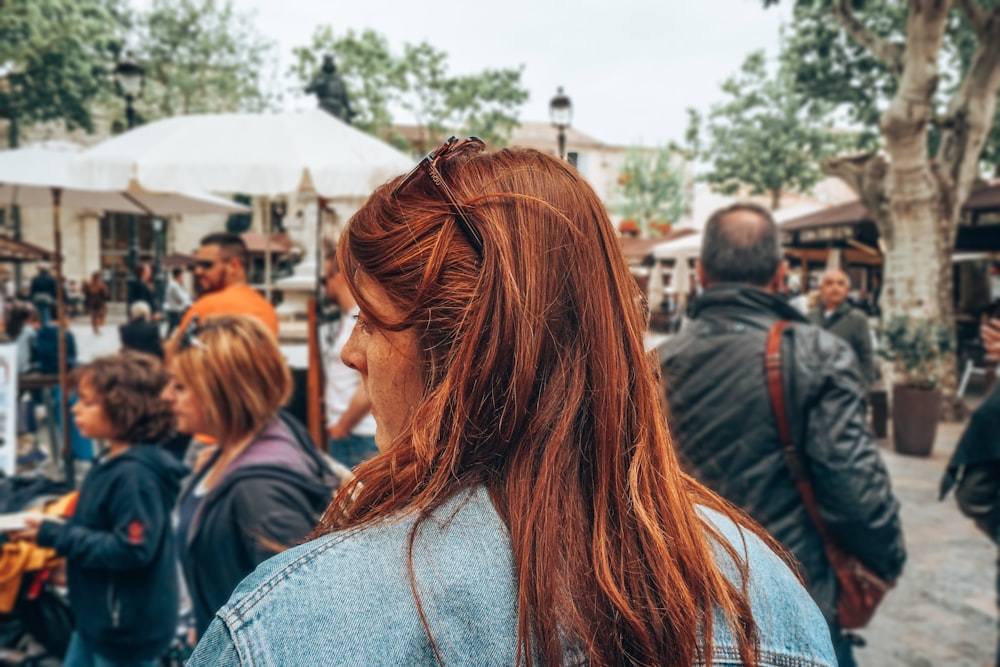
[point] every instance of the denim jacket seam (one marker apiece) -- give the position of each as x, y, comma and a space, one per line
243, 606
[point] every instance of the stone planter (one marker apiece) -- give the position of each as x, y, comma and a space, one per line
914, 419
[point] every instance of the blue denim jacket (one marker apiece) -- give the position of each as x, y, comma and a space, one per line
346, 599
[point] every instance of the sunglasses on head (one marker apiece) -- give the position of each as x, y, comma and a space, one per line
429, 166
189, 337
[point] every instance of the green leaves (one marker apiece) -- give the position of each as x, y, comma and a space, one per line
380, 82
651, 187
201, 56
765, 135
55, 57
916, 346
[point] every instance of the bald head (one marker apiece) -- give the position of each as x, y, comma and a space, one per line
833, 288
740, 245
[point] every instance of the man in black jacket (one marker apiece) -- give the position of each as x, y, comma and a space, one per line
724, 426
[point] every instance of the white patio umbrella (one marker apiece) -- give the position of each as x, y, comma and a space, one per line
27, 176
39, 175
259, 154
682, 251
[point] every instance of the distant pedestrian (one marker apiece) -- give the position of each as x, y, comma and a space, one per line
43, 292
119, 544
96, 295
724, 423
142, 288
350, 426
836, 314
177, 300
139, 333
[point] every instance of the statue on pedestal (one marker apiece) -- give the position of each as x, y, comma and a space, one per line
331, 91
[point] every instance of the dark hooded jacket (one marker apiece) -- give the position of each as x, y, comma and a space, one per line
725, 432
120, 553
270, 497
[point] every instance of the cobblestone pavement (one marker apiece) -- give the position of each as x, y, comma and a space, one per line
942, 612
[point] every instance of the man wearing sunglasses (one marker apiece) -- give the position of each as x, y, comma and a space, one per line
220, 272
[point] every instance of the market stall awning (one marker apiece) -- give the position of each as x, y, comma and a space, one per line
22, 251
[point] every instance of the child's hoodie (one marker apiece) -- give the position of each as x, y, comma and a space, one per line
119, 547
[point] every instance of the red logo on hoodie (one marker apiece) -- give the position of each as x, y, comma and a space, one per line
136, 531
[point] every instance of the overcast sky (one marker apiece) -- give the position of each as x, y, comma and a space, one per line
631, 67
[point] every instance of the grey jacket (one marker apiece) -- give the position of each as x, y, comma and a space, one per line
850, 324
726, 434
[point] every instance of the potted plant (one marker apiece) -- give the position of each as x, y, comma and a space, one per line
916, 347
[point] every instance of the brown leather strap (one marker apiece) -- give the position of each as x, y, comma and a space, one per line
776, 389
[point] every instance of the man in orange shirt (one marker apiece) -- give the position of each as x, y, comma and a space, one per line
220, 271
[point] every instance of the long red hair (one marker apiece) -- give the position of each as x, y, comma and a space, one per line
538, 386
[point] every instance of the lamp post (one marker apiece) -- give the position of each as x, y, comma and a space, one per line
561, 113
129, 76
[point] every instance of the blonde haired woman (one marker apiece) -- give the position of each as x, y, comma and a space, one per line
266, 484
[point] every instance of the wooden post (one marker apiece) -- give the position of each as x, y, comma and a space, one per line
67, 449
314, 380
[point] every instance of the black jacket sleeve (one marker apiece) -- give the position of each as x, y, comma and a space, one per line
850, 479
139, 519
978, 496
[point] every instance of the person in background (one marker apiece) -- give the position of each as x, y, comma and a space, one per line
974, 468
836, 314
265, 484
22, 326
526, 504
220, 271
42, 293
350, 425
177, 300
119, 544
95, 296
726, 430
139, 333
45, 354
142, 288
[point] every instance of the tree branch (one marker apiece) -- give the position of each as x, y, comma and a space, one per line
974, 14
889, 52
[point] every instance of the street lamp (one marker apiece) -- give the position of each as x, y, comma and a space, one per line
129, 76
561, 113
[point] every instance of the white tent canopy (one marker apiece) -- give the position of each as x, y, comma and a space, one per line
686, 247
260, 154
28, 175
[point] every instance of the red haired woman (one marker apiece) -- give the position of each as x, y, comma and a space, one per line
526, 506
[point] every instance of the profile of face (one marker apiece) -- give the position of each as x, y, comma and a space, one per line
390, 364
186, 406
833, 289
89, 414
211, 268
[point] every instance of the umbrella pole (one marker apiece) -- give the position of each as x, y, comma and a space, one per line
67, 450
314, 371
267, 248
